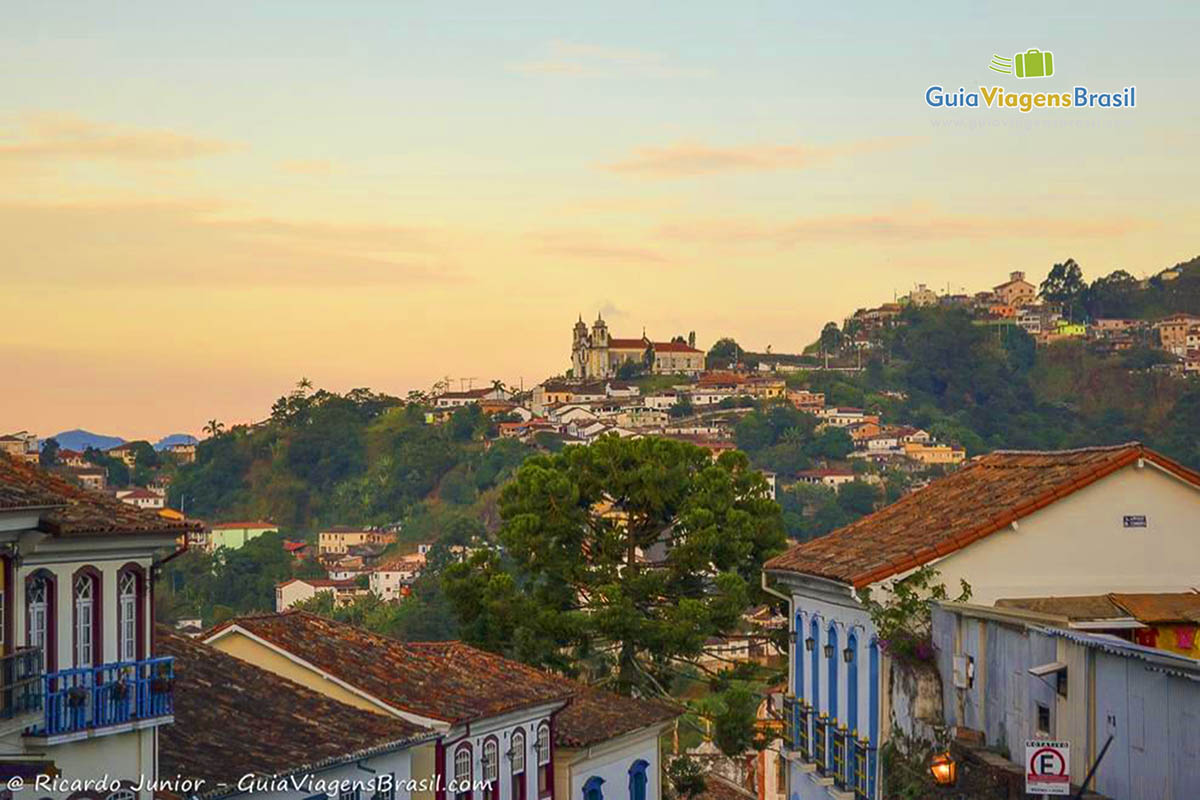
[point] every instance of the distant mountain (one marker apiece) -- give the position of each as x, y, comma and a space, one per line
81, 440
174, 438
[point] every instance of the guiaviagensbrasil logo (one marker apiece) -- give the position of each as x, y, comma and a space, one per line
1033, 63
1030, 63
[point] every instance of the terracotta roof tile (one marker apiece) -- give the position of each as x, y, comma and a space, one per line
595, 715
233, 718
955, 511
73, 510
1159, 609
448, 681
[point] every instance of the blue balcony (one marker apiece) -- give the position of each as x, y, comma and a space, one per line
105, 699
20, 689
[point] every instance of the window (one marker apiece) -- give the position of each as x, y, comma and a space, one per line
638, 780
543, 760
517, 752
39, 616
86, 629
1043, 719
462, 772
491, 768
348, 794
127, 613
592, 790
387, 787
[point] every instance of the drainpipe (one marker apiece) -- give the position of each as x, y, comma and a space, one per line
795, 637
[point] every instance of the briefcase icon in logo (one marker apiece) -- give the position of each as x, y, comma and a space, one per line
1034, 64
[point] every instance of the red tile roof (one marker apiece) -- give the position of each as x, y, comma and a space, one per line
448, 681
595, 715
233, 718
674, 347
1161, 609
71, 510
953, 512
217, 526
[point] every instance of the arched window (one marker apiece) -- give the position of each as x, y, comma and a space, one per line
873, 715
814, 633
592, 788
852, 684
545, 785
491, 768
85, 594
799, 655
130, 622
517, 752
462, 772
40, 593
638, 780
831, 661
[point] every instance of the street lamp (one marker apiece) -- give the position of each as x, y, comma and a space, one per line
944, 769
829, 650
848, 655
810, 643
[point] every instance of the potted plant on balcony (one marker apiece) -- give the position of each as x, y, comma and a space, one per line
161, 682
76, 696
120, 689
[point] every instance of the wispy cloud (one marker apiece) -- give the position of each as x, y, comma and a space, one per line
49, 136
126, 243
898, 227
580, 59
685, 159
591, 246
308, 166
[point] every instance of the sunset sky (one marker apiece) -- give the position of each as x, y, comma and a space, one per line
202, 202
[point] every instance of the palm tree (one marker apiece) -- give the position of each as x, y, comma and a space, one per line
303, 385
214, 428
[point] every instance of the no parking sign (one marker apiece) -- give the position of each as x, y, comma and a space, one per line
1047, 767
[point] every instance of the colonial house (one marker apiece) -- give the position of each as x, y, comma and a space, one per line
141, 498
392, 579
21, 445
339, 539
71, 458
92, 478
471, 397
124, 452
529, 733
233, 535
831, 477
597, 355
934, 453
297, 590
1016, 291
183, 452
1009, 524
1173, 330
84, 690
233, 720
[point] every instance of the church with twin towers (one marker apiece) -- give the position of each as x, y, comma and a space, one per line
596, 355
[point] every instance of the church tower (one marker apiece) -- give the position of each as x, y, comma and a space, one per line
579, 349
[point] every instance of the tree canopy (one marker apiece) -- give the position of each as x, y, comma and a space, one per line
620, 558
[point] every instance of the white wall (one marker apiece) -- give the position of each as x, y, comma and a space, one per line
611, 762
502, 728
1079, 545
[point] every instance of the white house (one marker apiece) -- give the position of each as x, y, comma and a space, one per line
141, 498
391, 579
1010, 524
84, 689
526, 732
297, 590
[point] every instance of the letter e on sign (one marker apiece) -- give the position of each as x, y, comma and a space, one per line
1047, 767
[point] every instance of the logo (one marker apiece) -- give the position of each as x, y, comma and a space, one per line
1033, 63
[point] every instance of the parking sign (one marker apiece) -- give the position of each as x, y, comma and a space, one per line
1047, 767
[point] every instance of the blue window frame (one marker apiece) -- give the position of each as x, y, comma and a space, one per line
592, 788
638, 780
814, 632
832, 666
852, 684
799, 655
873, 715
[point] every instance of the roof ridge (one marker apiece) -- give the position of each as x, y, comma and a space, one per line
1099, 448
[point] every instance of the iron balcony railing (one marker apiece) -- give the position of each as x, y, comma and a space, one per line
862, 761
821, 743
796, 714
124, 692
20, 682
839, 738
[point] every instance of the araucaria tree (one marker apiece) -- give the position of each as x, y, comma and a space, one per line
619, 559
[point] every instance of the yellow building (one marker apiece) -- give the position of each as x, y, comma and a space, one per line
339, 540
934, 453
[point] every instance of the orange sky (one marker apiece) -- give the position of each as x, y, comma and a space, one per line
192, 217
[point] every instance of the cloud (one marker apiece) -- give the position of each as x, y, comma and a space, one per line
898, 227
588, 246
580, 59
53, 136
188, 245
308, 166
685, 159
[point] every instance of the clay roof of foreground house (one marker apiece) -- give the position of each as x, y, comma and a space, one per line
69, 510
447, 681
1163, 608
233, 718
451, 681
986, 495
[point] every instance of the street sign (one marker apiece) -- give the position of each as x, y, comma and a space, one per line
1047, 767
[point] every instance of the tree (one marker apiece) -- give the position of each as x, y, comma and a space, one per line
213, 427
628, 552
48, 457
724, 354
1065, 285
831, 338
857, 497
682, 408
